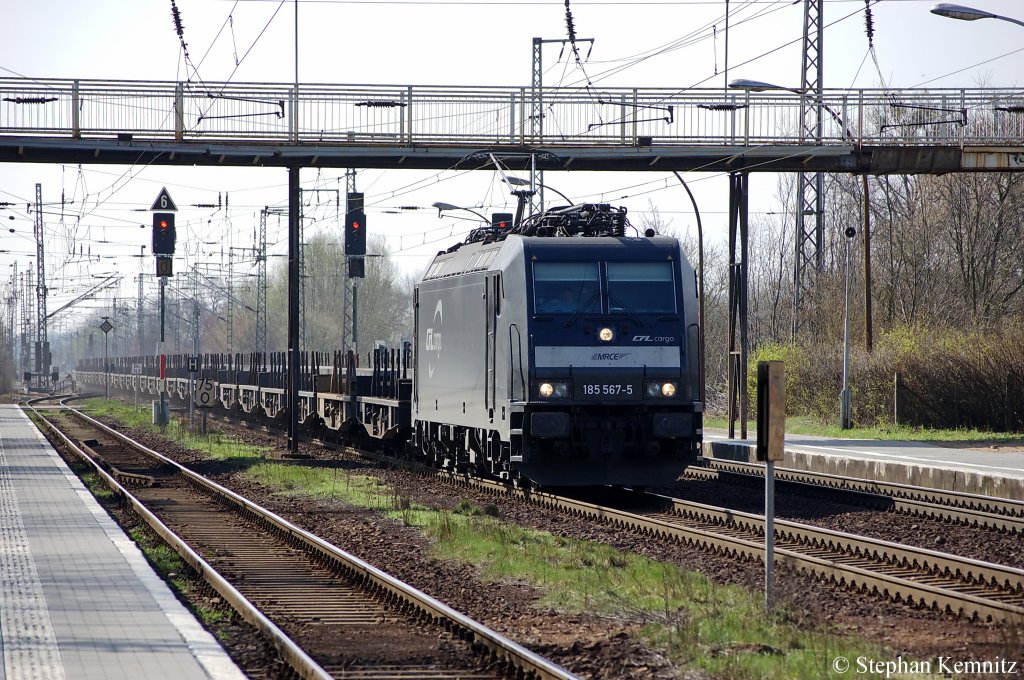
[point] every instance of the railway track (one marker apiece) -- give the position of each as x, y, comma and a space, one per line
328, 613
984, 512
917, 576
922, 577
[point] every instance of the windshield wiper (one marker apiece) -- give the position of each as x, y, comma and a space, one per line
632, 317
579, 310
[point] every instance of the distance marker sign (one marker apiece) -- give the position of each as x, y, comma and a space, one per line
204, 392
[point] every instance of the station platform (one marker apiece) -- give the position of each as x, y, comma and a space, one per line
988, 471
77, 597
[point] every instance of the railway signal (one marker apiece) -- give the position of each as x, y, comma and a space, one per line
163, 248
355, 233
355, 225
163, 233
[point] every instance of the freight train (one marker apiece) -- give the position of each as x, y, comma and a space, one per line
560, 351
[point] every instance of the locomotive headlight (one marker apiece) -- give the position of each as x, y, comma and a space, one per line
552, 390
606, 334
657, 389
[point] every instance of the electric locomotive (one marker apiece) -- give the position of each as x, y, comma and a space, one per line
561, 351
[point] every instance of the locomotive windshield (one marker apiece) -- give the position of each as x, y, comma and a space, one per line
641, 287
632, 288
566, 287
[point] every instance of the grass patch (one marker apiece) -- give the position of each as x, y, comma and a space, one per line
163, 558
320, 482
722, 630
182, 578
131, 416
214, 444
812, 426
97, 487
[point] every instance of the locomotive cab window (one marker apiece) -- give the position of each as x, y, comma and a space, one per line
641, 288
566, 287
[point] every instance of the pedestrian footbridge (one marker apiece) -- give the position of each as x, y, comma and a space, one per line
436, 127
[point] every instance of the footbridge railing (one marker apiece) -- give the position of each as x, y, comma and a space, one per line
421, 115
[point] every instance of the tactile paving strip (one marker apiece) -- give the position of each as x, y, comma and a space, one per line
27, 637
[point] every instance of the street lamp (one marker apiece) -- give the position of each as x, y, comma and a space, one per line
952, 11
758, 86
441, 207
761, 86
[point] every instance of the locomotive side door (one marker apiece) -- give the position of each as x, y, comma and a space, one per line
416, 343
490, 314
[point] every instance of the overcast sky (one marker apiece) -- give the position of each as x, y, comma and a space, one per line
431, 42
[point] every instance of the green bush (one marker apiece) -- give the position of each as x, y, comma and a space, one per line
947, 378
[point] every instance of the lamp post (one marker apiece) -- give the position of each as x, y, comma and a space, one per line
952, 11
700, 281
760, 86
845, 416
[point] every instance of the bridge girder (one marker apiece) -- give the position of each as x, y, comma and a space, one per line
874, 160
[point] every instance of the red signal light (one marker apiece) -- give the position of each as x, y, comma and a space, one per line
502, 224
163, 224
355, 226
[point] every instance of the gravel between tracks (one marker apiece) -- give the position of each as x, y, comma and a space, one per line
593, 646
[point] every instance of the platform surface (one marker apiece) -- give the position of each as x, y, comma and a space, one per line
987, 471
1009, 463
77, 597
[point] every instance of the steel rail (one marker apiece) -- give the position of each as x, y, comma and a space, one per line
974, 571
500, 647
298, 660
853, 561
734, 534
986, 512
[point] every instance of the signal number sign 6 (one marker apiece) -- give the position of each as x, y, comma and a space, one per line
204, 392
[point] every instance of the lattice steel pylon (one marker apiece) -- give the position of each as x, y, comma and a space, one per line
810, 186
231, 298
302, 275
140, 327
42, 358
537, 121
261, 283
28, 324
15, 296
346, 299
12, 304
